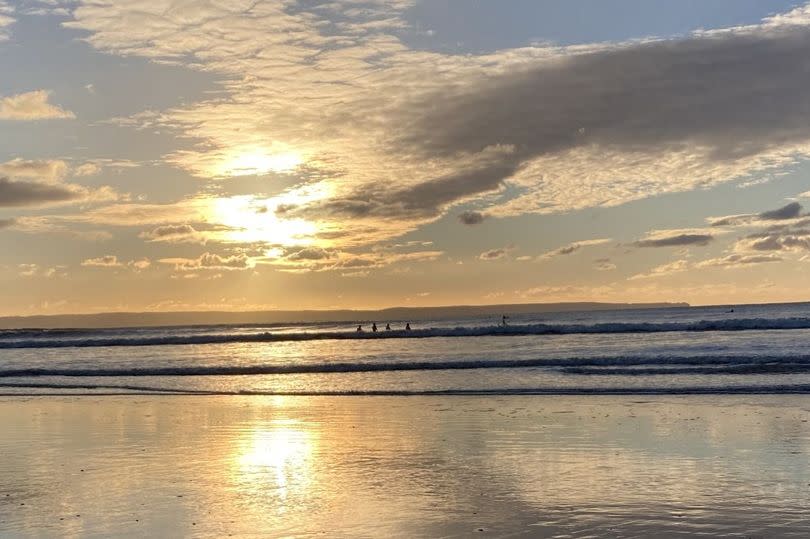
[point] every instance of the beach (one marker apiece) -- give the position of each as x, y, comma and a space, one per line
426, 466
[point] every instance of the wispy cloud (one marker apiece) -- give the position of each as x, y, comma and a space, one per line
106, 261
572, 248
6, 20
738, 260
495, 254
675, 238
678, 266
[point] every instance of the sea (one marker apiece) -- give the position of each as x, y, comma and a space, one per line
742, 349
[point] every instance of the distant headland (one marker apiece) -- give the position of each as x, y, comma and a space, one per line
178, 318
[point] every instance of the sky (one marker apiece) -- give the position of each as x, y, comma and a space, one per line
160, 155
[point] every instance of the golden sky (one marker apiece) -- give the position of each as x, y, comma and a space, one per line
168, 154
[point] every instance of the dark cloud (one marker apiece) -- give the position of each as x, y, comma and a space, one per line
790, 211
471, 217
783, 238
421, 201
22, 193
678, 240
739, 93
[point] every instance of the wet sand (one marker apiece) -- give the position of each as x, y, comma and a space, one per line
528, 466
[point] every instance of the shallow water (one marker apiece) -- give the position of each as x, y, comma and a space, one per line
151, 466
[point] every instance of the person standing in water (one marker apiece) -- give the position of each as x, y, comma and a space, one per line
407, 326
374, 327
504, 318
387, 327
359, 328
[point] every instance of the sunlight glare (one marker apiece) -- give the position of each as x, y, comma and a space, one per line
254, 220
260, 161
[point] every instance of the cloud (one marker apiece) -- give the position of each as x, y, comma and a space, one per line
495, 254
790, 211
28, 270
140, 264
212, 261
39, 183
315, 259
677, 266
572, 248
87, 169
731, 220
674, 238
46, 170
738, 260
471, 218
7, 223
394, 138
776, 239
44, 225
19, 194
6, 20
604, 264
112, 261
35, 270
106, 261
311, 253
787, 212
184, 233
31, 106
15, 194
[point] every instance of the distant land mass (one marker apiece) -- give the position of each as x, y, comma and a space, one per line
151, 319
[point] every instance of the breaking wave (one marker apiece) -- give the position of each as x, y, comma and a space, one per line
87, 338
618, 366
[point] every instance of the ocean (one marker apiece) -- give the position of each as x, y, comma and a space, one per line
745, 349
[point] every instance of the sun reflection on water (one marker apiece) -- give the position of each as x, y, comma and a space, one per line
276, 459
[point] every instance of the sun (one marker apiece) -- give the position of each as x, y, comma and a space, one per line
251, 220
258, 161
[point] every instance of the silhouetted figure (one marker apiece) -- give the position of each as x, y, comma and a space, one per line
408, 326
504, 318
387, 327
374, 327
359, 329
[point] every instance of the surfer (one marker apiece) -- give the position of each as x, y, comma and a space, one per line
407, 326
387, 327
359, 328
374, 327
504, 318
